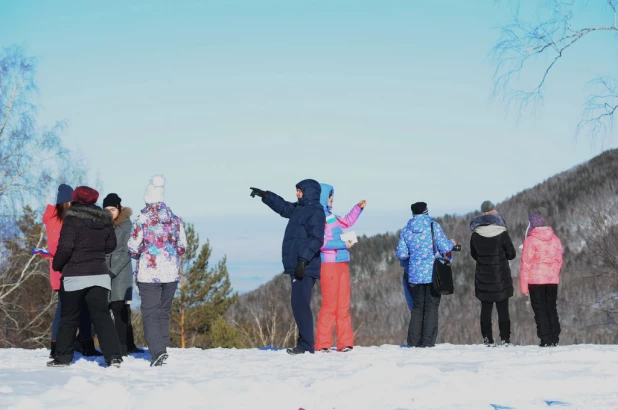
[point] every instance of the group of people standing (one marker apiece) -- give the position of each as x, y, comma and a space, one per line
312, 249
422, 240
90, 268
90, 250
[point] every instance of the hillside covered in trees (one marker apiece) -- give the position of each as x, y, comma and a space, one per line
582, 204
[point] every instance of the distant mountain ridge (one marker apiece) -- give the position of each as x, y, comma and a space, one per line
583, 210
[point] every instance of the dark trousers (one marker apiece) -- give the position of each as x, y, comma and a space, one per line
504, 320
85, 325
423, 329
157, 299
121, 319
95, 298
301, 306
543, 300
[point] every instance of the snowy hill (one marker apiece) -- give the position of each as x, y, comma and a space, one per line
386, 377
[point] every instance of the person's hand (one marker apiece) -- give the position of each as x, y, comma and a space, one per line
299, 274
258, 192
362, 204
349, 244
527, 294
454, 243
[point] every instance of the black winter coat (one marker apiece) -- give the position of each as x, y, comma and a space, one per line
304, 235
493, 281
87, 235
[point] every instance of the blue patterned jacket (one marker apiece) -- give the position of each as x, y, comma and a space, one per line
415, 245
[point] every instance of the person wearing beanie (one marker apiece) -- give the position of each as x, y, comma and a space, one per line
539, 275
335, 276
492, 249
303, 239
86, 237
416, 247
53, 217
157, 241
121, 271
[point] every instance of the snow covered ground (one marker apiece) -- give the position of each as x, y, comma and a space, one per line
385, 377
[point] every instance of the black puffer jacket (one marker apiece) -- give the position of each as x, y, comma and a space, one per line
493, 281
87, 235
304, 235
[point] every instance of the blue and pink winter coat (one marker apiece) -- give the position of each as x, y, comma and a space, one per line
416, 246
334, 249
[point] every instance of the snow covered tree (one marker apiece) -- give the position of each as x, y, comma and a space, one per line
204, 295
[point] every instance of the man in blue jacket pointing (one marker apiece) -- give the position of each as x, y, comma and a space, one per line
304, 236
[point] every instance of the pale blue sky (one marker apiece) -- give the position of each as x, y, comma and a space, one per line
389, 101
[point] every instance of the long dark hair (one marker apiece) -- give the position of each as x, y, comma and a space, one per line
61, 210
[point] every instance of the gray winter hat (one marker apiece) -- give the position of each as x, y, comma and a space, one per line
487, 206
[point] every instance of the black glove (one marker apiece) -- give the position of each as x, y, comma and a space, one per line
258, 192
299, 274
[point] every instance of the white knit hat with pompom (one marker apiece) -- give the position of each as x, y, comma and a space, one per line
155, 192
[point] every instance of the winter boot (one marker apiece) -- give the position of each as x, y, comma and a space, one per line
124, 352
296, 350
325, 350
114, 363
505, 332
135, 349
347, 349
58, 363
52, 350
158, 360
488, 341
87, 348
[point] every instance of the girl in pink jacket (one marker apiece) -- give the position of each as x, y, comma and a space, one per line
539, 276
335, 277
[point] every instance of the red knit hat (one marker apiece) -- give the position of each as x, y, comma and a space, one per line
85, 195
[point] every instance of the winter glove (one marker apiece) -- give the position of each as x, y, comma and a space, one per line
299, 274
258, 192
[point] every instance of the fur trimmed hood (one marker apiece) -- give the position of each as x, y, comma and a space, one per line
124, 216
486, 220
91, 214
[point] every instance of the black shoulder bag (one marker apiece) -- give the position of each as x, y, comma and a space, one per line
442, 279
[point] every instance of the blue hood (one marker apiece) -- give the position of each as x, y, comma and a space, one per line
311, 191
327, 191
420, 223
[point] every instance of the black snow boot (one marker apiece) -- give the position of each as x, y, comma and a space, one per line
58, 363
87, 348
114, 363
296, 350
488, 341
52, 350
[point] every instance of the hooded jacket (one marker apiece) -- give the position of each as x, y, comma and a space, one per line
157, 241
119, 261
416, 246
492, 249
541, 260
86, 236
52, 228
304, 234
334, 249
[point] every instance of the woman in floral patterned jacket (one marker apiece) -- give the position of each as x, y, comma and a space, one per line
157, 241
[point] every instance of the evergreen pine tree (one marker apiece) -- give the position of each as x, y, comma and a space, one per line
204, 295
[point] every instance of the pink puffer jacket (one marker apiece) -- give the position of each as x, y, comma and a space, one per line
541, 260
